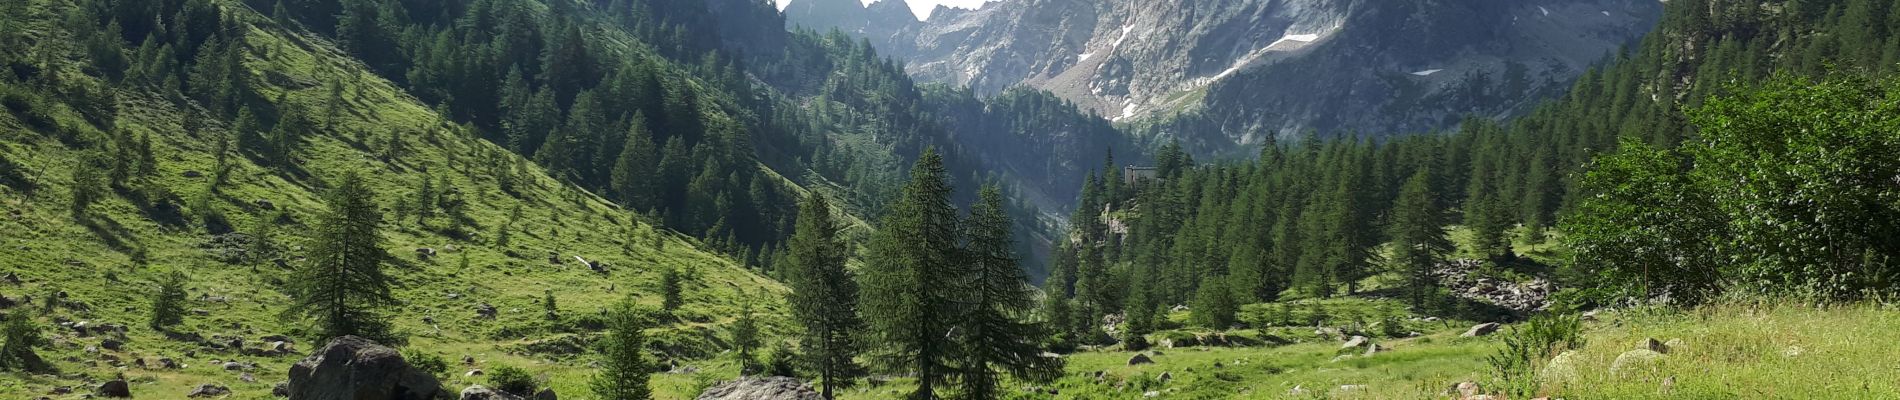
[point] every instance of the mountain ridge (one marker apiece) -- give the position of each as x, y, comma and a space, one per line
1146, 62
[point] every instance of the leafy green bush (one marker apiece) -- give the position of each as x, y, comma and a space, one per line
513, 380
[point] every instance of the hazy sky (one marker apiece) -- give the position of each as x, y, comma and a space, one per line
920, 7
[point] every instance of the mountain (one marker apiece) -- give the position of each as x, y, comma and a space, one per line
1255, 68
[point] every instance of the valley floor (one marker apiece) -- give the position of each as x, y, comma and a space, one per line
1779, 351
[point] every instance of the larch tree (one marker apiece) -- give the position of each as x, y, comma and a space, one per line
1417, 230
910, 278
343, 284
994, 334
824, 297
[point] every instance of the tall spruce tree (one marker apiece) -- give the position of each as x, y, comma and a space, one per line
1418, 236
824, 296
343, 284
911, 276
993, 335
635, 177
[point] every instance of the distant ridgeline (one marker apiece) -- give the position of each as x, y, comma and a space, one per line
1671, 172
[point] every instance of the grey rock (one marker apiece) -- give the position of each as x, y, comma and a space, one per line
1355, 341
1140, 359
772, 388
355, 368
208, 390
1481, 329
477, 392
115, 388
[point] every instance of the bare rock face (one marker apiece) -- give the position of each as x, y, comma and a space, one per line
354, 368
1266, 67
773, 388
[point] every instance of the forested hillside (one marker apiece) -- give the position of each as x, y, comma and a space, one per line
176, 171
1648, 184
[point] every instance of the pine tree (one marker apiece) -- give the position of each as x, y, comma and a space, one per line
670, 290
745, 337
993, 336
21, 337
624, 367
824, 296
635, 172
168, 304
910, 277
343, 283
1418, 236
88, 187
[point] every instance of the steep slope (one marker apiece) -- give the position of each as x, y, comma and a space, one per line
512, 238
1264, 67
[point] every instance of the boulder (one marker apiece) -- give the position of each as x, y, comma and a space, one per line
233, 366
1481, 329
773, 388
1468, 389
115, 388
1165, 377
208, 390
281, 389
355, 368
1634, 360
1356, 341
477, 392
1373, 349
1560, 369
486, 310
545, 394
110, 344
1140, 359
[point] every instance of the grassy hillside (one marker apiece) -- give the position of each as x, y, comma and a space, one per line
105, 263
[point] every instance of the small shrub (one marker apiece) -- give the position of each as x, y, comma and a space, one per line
426, 362
1527, 346
513, 380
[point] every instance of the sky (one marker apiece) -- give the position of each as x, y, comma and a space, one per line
920, 7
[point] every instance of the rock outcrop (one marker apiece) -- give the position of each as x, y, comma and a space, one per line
772, 388
354, 368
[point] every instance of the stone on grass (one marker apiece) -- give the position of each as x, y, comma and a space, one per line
1561, 369
208, 390
355, 368
1355, 341
1140, 359
115, 388
772, 388
477, 392
1481, 329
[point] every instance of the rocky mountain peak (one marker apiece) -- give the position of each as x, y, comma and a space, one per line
1151, 60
